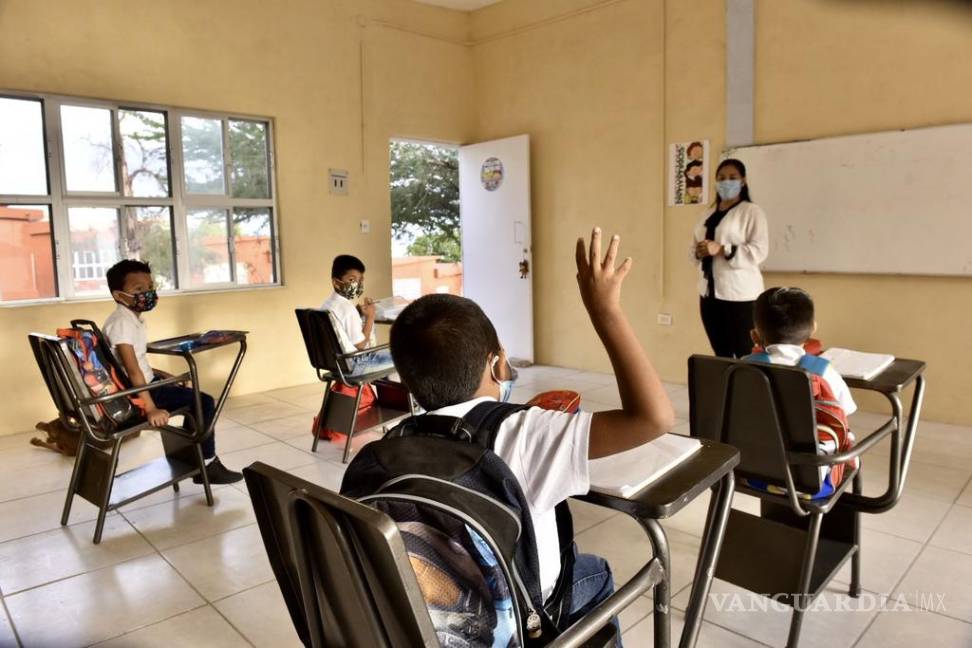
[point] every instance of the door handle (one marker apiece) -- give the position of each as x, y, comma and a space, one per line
524, 266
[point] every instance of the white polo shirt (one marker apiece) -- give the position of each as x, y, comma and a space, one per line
125, 326
547, 452
350, 328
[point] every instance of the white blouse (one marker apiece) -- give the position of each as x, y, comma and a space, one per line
737, 278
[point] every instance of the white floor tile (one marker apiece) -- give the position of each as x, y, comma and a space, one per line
262, 412
940, 572
909, 629
935, 482
31, 515
955, 533
7, 636
224, 564
886, 558
288, 427
587, 515
261, 615
203, 627
188, 519
914, 517
36, 480
710, 636
67, 551
323, 473
276, 454
101, 604
965, 499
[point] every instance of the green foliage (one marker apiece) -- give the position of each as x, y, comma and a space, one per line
425, 199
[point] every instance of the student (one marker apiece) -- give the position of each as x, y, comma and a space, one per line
354, 334
132, 287
784, 321
449, 356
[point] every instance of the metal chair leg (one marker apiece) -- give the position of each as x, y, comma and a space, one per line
855, 584
175, 487
73, 485
661, 594
202, 471
802, 598
106, 495
354, 420
321, 416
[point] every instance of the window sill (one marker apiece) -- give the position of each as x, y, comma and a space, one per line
54, 301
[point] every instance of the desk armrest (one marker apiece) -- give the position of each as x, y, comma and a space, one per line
131, 391
868, 442
362, 352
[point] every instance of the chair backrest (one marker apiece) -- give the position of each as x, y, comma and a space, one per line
763, 410
64, 383
320, 339
342, 566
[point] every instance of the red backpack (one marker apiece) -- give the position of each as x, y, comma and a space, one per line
99, 374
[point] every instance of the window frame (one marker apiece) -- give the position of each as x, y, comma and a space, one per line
179, 202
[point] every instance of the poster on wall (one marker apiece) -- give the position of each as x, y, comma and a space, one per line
688, 173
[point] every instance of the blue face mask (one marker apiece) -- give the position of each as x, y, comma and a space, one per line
729, 189
506, 386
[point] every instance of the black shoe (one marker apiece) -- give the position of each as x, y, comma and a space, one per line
218, 474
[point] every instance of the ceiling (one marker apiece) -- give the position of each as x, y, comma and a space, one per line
461, 5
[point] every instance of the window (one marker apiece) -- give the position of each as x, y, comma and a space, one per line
189, 192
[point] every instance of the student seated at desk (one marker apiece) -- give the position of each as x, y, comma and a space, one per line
353, 332
133, 289
449, 356
784, 320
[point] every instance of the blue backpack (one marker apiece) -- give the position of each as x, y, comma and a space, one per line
467, 528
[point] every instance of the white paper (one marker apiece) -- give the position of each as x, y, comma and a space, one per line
628, 472
390, 307
857, 364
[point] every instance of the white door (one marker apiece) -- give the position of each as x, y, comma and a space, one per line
497, 261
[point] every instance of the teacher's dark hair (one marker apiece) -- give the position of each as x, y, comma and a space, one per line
741, 168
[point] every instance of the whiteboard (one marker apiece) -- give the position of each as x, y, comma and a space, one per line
883, 203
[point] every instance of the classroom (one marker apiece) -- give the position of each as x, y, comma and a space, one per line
357, 211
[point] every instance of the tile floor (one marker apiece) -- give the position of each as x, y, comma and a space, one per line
172, 572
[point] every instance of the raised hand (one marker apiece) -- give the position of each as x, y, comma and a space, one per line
598, 279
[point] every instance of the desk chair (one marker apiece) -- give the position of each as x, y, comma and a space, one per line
767, 412
346, 578
339, 411
95, 475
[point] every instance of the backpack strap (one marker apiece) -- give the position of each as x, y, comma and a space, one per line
479, 426
814, 364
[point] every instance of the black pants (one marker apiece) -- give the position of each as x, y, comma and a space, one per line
173, 397
728, 323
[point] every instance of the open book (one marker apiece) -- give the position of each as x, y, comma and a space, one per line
628, 472
856, 364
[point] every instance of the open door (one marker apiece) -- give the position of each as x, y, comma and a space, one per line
494, 186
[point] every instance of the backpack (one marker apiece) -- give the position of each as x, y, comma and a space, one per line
98, 373
833, 429
467, 528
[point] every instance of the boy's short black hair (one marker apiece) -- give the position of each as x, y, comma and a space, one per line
117, 273
440, 344
344, 262
784, 316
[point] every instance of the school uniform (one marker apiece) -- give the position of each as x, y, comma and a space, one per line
730, 282
349, 328
547, 453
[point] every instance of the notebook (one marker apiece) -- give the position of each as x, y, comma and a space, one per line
856, 364
628, 472
390, 307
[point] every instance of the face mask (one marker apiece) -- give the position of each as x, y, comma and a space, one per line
506, 386
729, 189
350, 289
143, 302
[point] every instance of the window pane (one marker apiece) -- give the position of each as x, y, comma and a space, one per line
88, 161
23, 162
253, 244
209, 259
202, 152
145, 165
250, 170
26, 253
148, 232
94, 247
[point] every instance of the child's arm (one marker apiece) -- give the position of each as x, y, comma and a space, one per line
155, 416
368, 310
646, 412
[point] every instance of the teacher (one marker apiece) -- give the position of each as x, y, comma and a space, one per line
730, 243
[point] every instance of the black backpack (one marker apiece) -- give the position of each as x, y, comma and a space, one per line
467, 528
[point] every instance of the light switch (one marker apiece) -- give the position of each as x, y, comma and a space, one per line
365, 226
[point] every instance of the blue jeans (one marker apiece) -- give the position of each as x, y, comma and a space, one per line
593, 583
371, 362
173, 397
